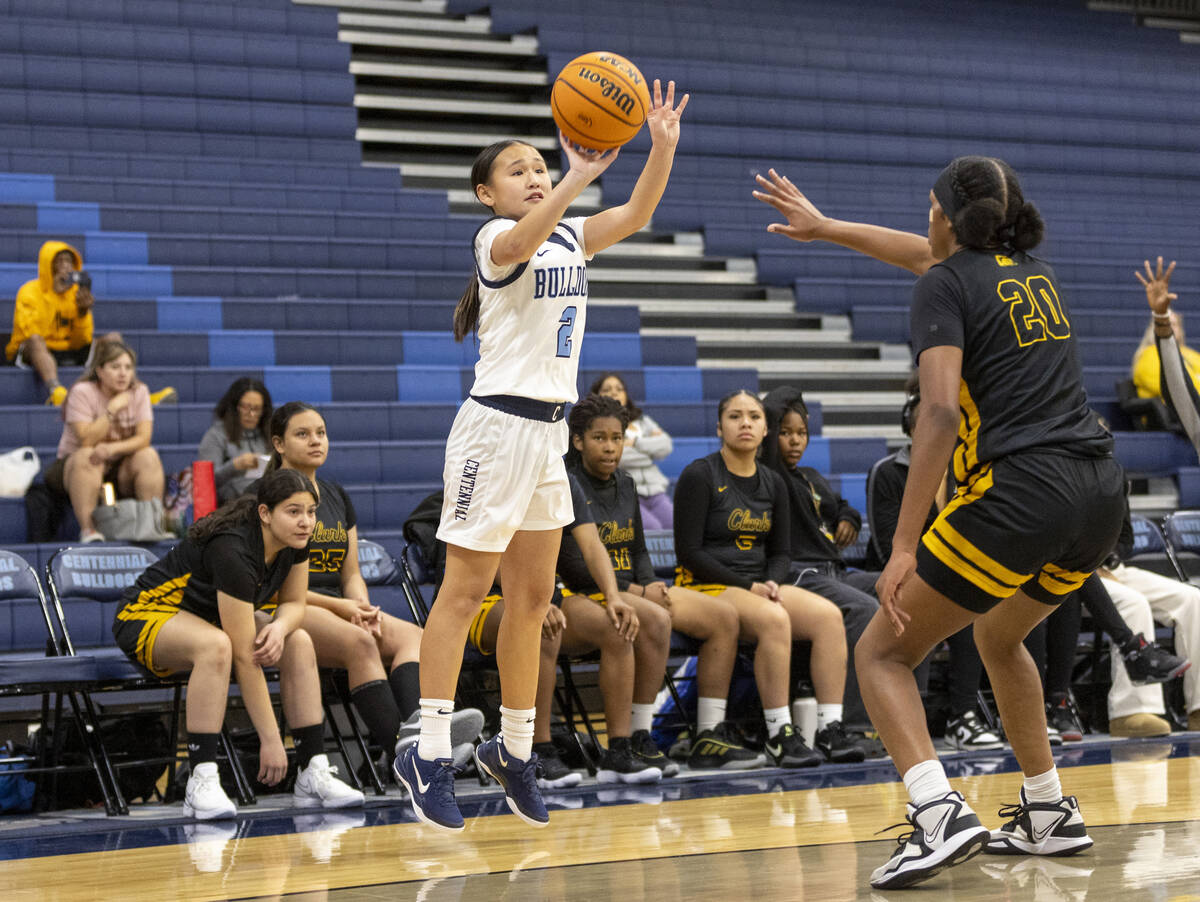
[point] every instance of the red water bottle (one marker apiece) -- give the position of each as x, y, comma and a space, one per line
204, 489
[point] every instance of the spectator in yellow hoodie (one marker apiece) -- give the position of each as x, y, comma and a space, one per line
52, 319
1146, 371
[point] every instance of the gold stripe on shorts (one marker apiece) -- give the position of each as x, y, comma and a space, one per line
154, 607
953, 549
1058, 581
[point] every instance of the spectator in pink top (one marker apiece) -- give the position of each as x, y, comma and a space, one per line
108, 423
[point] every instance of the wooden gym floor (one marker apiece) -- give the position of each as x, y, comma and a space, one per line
767, 835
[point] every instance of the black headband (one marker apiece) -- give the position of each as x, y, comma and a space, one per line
943, 190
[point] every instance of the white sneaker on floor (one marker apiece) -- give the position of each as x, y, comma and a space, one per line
1040, 828
317, 786
945, 832
204, 798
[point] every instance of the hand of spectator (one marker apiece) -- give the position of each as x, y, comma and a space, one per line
623, 618
118, 402
272, 761
247, 461
657, 593
846, 534
268, 644
101, 453
768, 590
890, 587
84, 300
554, 622
804, 220
1157, 284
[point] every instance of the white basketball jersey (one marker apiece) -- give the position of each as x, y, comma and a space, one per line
531, 315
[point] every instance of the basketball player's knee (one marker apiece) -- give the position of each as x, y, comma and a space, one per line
655, 625
724, 619
360, 645
216, 652
298, 648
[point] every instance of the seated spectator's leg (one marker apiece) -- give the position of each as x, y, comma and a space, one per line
187, 644
1177, 603
339, 643
651, 647
141, 475
1062, 639
765, 623
857, 609
1104, 613
657, 511
399, 645
818, 620
83, 479
714, 621
35, 352
1124, 698
300, 683
588, 627
966, 672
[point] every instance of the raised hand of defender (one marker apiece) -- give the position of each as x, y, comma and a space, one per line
804, 220
663, 119
1157, 284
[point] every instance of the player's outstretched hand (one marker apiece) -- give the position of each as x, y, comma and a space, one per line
663, 118
585, 162
890, 588
804, 220
1158, 286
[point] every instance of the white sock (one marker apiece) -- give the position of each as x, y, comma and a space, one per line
777, 719
643, 717
926, 781
516, 727
827, 714
434, 741
709, 713
1044, 787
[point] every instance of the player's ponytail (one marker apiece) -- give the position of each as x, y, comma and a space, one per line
466, 313
983, 199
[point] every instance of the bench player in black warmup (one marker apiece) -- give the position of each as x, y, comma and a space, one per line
597, 426
1039, 503
194, 611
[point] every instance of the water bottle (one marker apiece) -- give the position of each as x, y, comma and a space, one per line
804, 717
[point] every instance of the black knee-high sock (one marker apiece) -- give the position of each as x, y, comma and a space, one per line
375, 705
308, 741
406, 688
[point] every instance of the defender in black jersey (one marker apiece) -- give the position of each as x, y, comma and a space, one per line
731, 540
377, 650
194, 611
597, 427
1038, 507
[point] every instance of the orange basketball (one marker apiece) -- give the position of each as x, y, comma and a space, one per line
600, 100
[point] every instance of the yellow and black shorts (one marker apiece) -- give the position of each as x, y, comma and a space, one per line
475, 633
567, 593
1036, 521
137, 623
685, 580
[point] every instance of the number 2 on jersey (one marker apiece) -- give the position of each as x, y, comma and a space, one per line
566, 325
1035, 309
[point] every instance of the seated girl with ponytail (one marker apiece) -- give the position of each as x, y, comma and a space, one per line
194, 612
378, 651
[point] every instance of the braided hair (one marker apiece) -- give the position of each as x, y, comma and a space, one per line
586, 412
982, 197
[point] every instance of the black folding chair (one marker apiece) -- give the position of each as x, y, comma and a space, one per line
30, 665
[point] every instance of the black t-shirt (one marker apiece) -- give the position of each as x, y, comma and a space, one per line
731, 530
1022, 386
192, 573
816, 511
613, 506
331, 538
581, 507
885, 491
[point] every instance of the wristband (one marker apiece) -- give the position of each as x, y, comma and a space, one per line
1161, 319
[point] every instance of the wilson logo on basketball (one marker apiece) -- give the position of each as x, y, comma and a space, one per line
624, 66
609, 90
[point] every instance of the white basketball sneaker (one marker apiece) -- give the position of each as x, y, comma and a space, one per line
204, 798
317, 786
1040, 828
945, 832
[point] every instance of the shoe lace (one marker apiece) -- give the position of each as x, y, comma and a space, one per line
903, 838
529, 773
1012, 813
